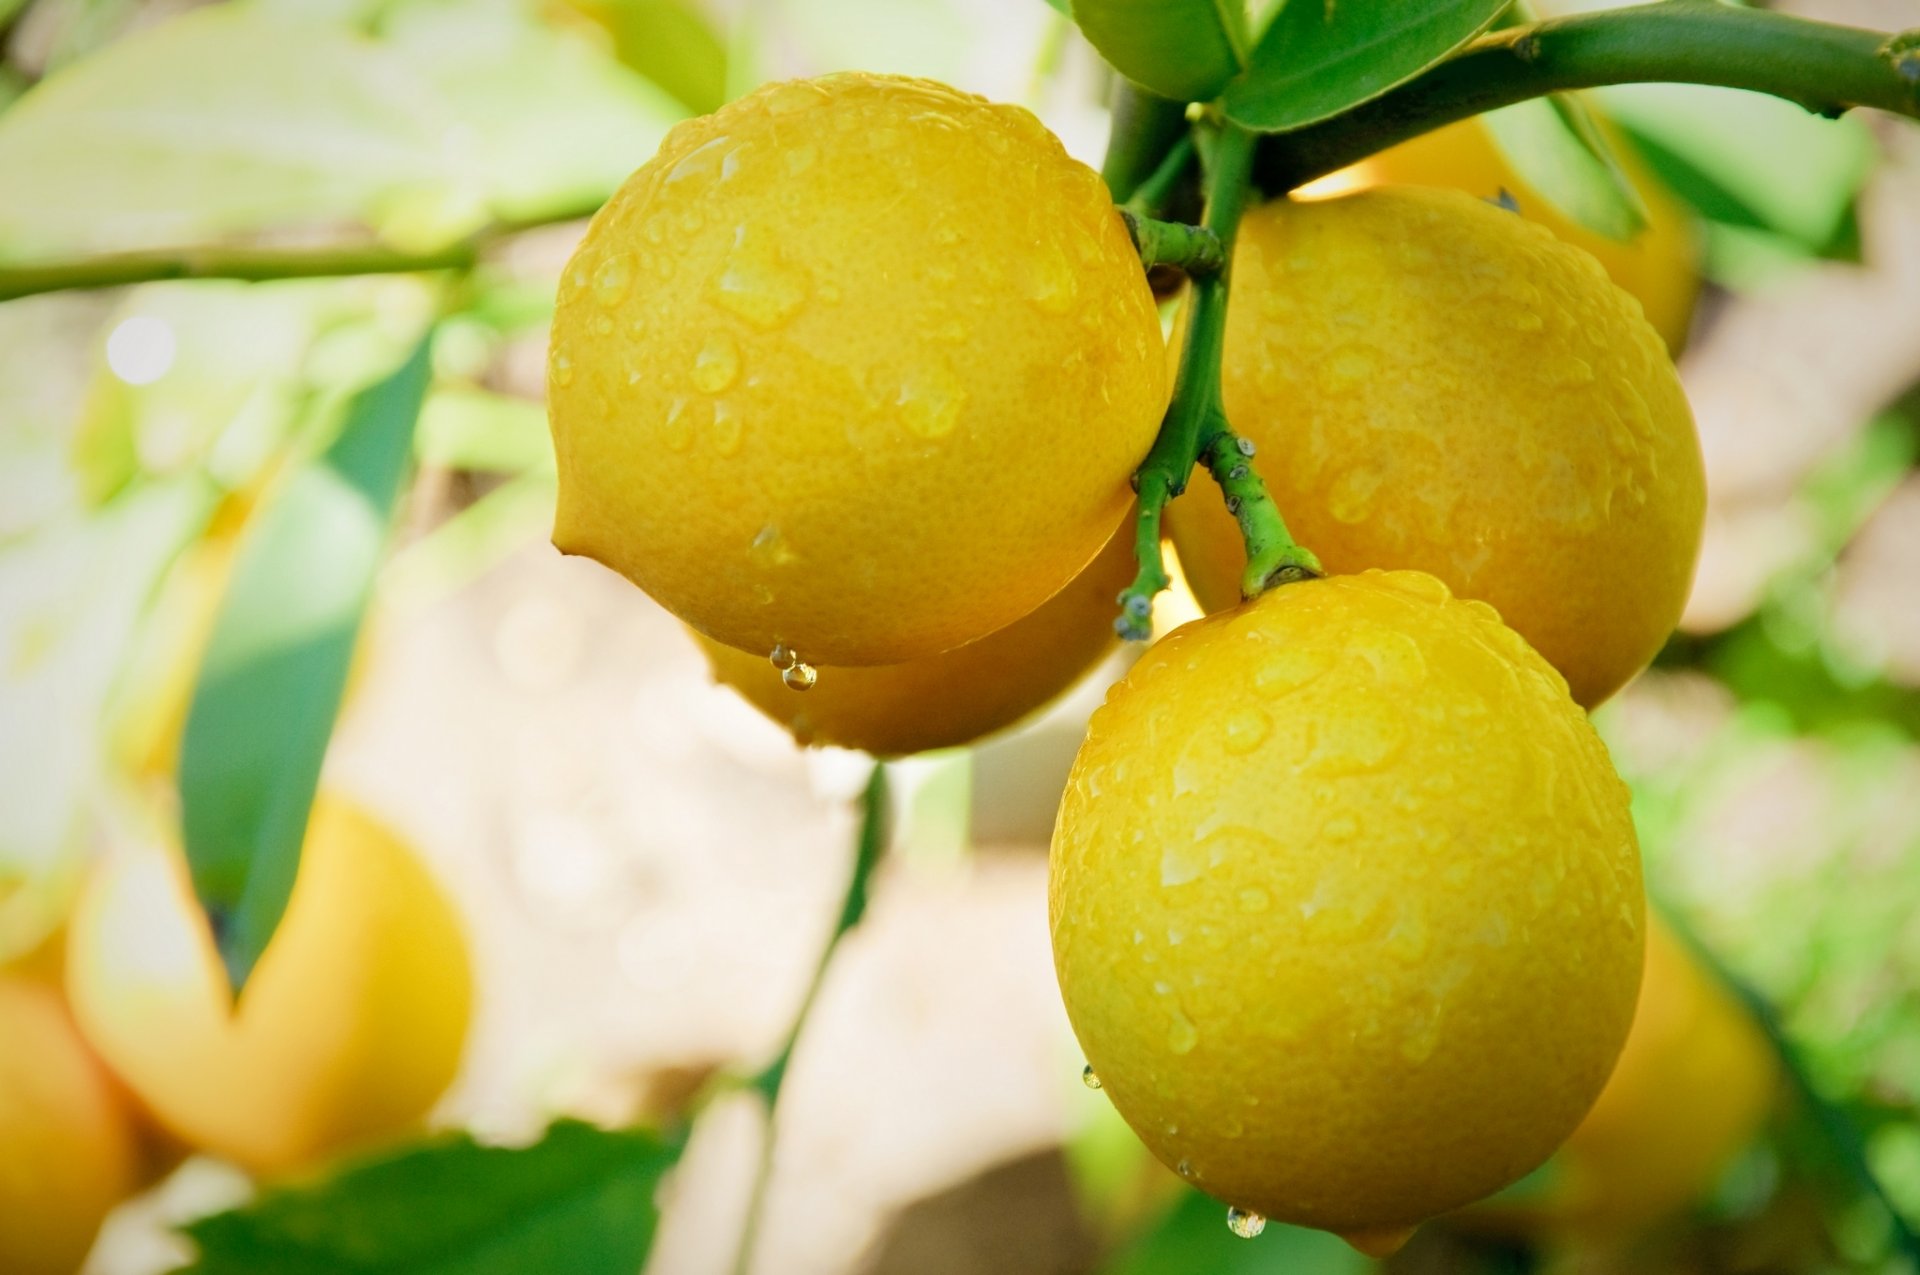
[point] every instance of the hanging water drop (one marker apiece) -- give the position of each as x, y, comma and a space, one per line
800, 676
1087, 1077
783, 656
1245, 1223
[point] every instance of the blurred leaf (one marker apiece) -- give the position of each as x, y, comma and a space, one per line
475, 429
1749, 160
466, 545
1319, 58
1185, 50
277, 662
579, 1201
550, 122
1193, 1239
667, 41
1554, 143
221, 121
1061, 6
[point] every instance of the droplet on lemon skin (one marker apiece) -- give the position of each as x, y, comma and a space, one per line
68, 1148
852, 354
349, 1029
1550, 469
1365, 1053
956, 697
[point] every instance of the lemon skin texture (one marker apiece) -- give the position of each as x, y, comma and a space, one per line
1438, 384
349, 1028
1659, 266
1695, 1083
67, 1146
957, 696
1346, 904
859, 365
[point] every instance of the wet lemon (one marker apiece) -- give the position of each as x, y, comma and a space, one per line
67, 1148
1435, 383
958, 696
1346, 904
860, 366
349, 1029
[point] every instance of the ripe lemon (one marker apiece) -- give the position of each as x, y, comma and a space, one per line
67, 1148
957, 696
860, 366
1693, 1086
1438, 384
1346, 904
348, 1030
1659, 266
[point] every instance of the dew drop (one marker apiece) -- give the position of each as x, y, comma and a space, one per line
1246, 730
782, 656
800, 159
562, 370
602, 325
717, 365
613, 280
726, 429
1182, 1035
1047, 281
1184, 1169
676, 431
1290, 669
770, 548
757, 285
930, 400
1245, 1222
1087, 1077
800, 676
1350, 499
701, 162
794, 97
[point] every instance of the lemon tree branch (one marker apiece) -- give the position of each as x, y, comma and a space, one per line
1272, 556
1824, 67
1194, 249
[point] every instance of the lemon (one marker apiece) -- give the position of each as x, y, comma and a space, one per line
958, 696
348, 1030
860, 366
1659, 266
67, 1147
1346, 904
1437, 384
1694, 1084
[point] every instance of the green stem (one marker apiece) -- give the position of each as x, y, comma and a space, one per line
1194, 249
255, 263
1145, 127
1272, 556
1153, 195
1823, 67
1195, 419
1842, 1137
869, 842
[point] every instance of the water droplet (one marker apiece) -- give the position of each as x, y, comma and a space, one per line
726, 429
562, 370
717, 365
1350, 499
1290, 669
1048, 282
613, 280
602, 325
1087, 1077
793, 97
1182, 1035
702, 162
676, 431
800, 159
930, 400
770, 549
1363, 739
800, 677
1245, 1223
1246, 730
783, 656
1184, 1168
757, 284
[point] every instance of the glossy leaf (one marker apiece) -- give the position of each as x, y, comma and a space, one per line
579, 1201
1555, 144
276, 666
1321, 57
1186, 50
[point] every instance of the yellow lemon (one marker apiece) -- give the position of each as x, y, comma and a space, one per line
67, 1148
1693, 1086
348, 1030
1659, 266
860, 366
955, 697
1437, 384
1346, 904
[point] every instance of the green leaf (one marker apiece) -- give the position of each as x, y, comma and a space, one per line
1193, 1239
1554, 143
1749, 160
579, 1201
224, 121
276, 665
1321, 57
667, 41
475, 429
1185, 50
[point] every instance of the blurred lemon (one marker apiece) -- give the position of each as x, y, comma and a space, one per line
955, 697
1437, 384
1346, 905
1660, 266
1694, 1084
349, 1029
67, 1148
859, 366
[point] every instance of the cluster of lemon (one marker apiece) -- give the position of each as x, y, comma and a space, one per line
1345, 896
122, 1047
